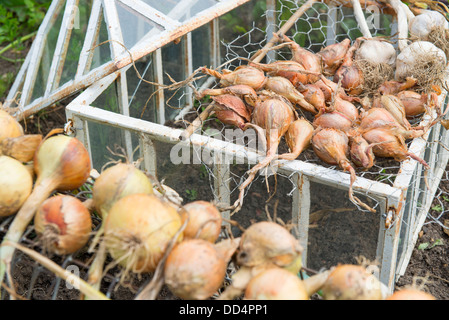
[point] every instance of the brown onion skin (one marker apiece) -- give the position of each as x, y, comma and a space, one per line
333, 55
334, 119
309, 60
413, 102
410, 294
350, 76
276, 284
392, 146
298, 137
231, 110
351, 282
204, 221
245, 75
69, 220
361, 153
313, 95
194, 270
291, 70
331, 145
394, 87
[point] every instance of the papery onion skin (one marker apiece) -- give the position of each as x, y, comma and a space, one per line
204, 221
333, 55
245, 75
67, 221
116, 182
410, 294
143, 224
9, 127
276, 284
421, 25
16, 184
194, 269
351, 282
413, 102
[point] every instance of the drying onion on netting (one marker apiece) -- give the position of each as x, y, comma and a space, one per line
246, 75
194, 269
333, 55
204, 220
345, 107
415, 103
423, 61
9, 127
394, 87
269, 243
390, 144
376, 52
350, 76
22, 147
285, 88
245, 92
298, 137
334, 119
16, 185
332, 146
432, 26
313, 95
331, 89
276, 284
137, 231
351, 282
61, 163
63, 224
274, 116
231, 110
410, 294
291, 70
361, 152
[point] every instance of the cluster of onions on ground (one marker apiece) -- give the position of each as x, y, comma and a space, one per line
352, 102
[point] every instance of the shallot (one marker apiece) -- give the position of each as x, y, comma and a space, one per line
245, 75
298, 137
204, 221
333, 55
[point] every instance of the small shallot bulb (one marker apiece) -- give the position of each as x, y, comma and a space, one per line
15, 185
64, 224
138, 229
333, 55
267, 242
298, 137
276, 284
410, 294
204, 221
116, 182
414, 103
9, 127
246, 75
351, 282
194, 270
231, 109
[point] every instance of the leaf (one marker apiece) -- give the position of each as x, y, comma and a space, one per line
423, 246
421, 5
437, 208
438, 242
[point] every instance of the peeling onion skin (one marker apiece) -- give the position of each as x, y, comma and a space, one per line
204, 221
410, 294
244, 75
351, 282
194, 270
16, 184
361, 152
276, 284
333, 55
68, 221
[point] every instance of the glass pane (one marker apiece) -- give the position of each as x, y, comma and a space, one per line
108, 99
338, 232
101, 54
76, 41
133, 26
181, 10
201, 48
47, 57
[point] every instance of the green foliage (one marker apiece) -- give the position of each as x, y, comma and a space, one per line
20, 17
192, 194
428, 245
6, 81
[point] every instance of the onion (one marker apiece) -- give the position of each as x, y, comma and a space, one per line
335, 119
194, 269
61, 163
285, 88
268, 243
333, 55
332, 146
394, 87
313, 95
331, 89
276, 284
9, 127
351, 282
410, 294
230, 109
414, 103
345, 107
349, 74
63, 223
22, 147
16, 185
243, 91
246, 75
204, 221
138, 229
361, 152
298, 137
291, 70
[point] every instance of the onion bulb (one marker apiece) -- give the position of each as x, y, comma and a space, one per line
64, 224
61, 163
16, 184
276, 284
246, 75
423, 24
410, 294
267, 242
351, 282
194, 269
9, 127
376, 52
138, 229
204, 221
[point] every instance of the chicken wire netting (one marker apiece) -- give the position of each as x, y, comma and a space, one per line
334, 219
